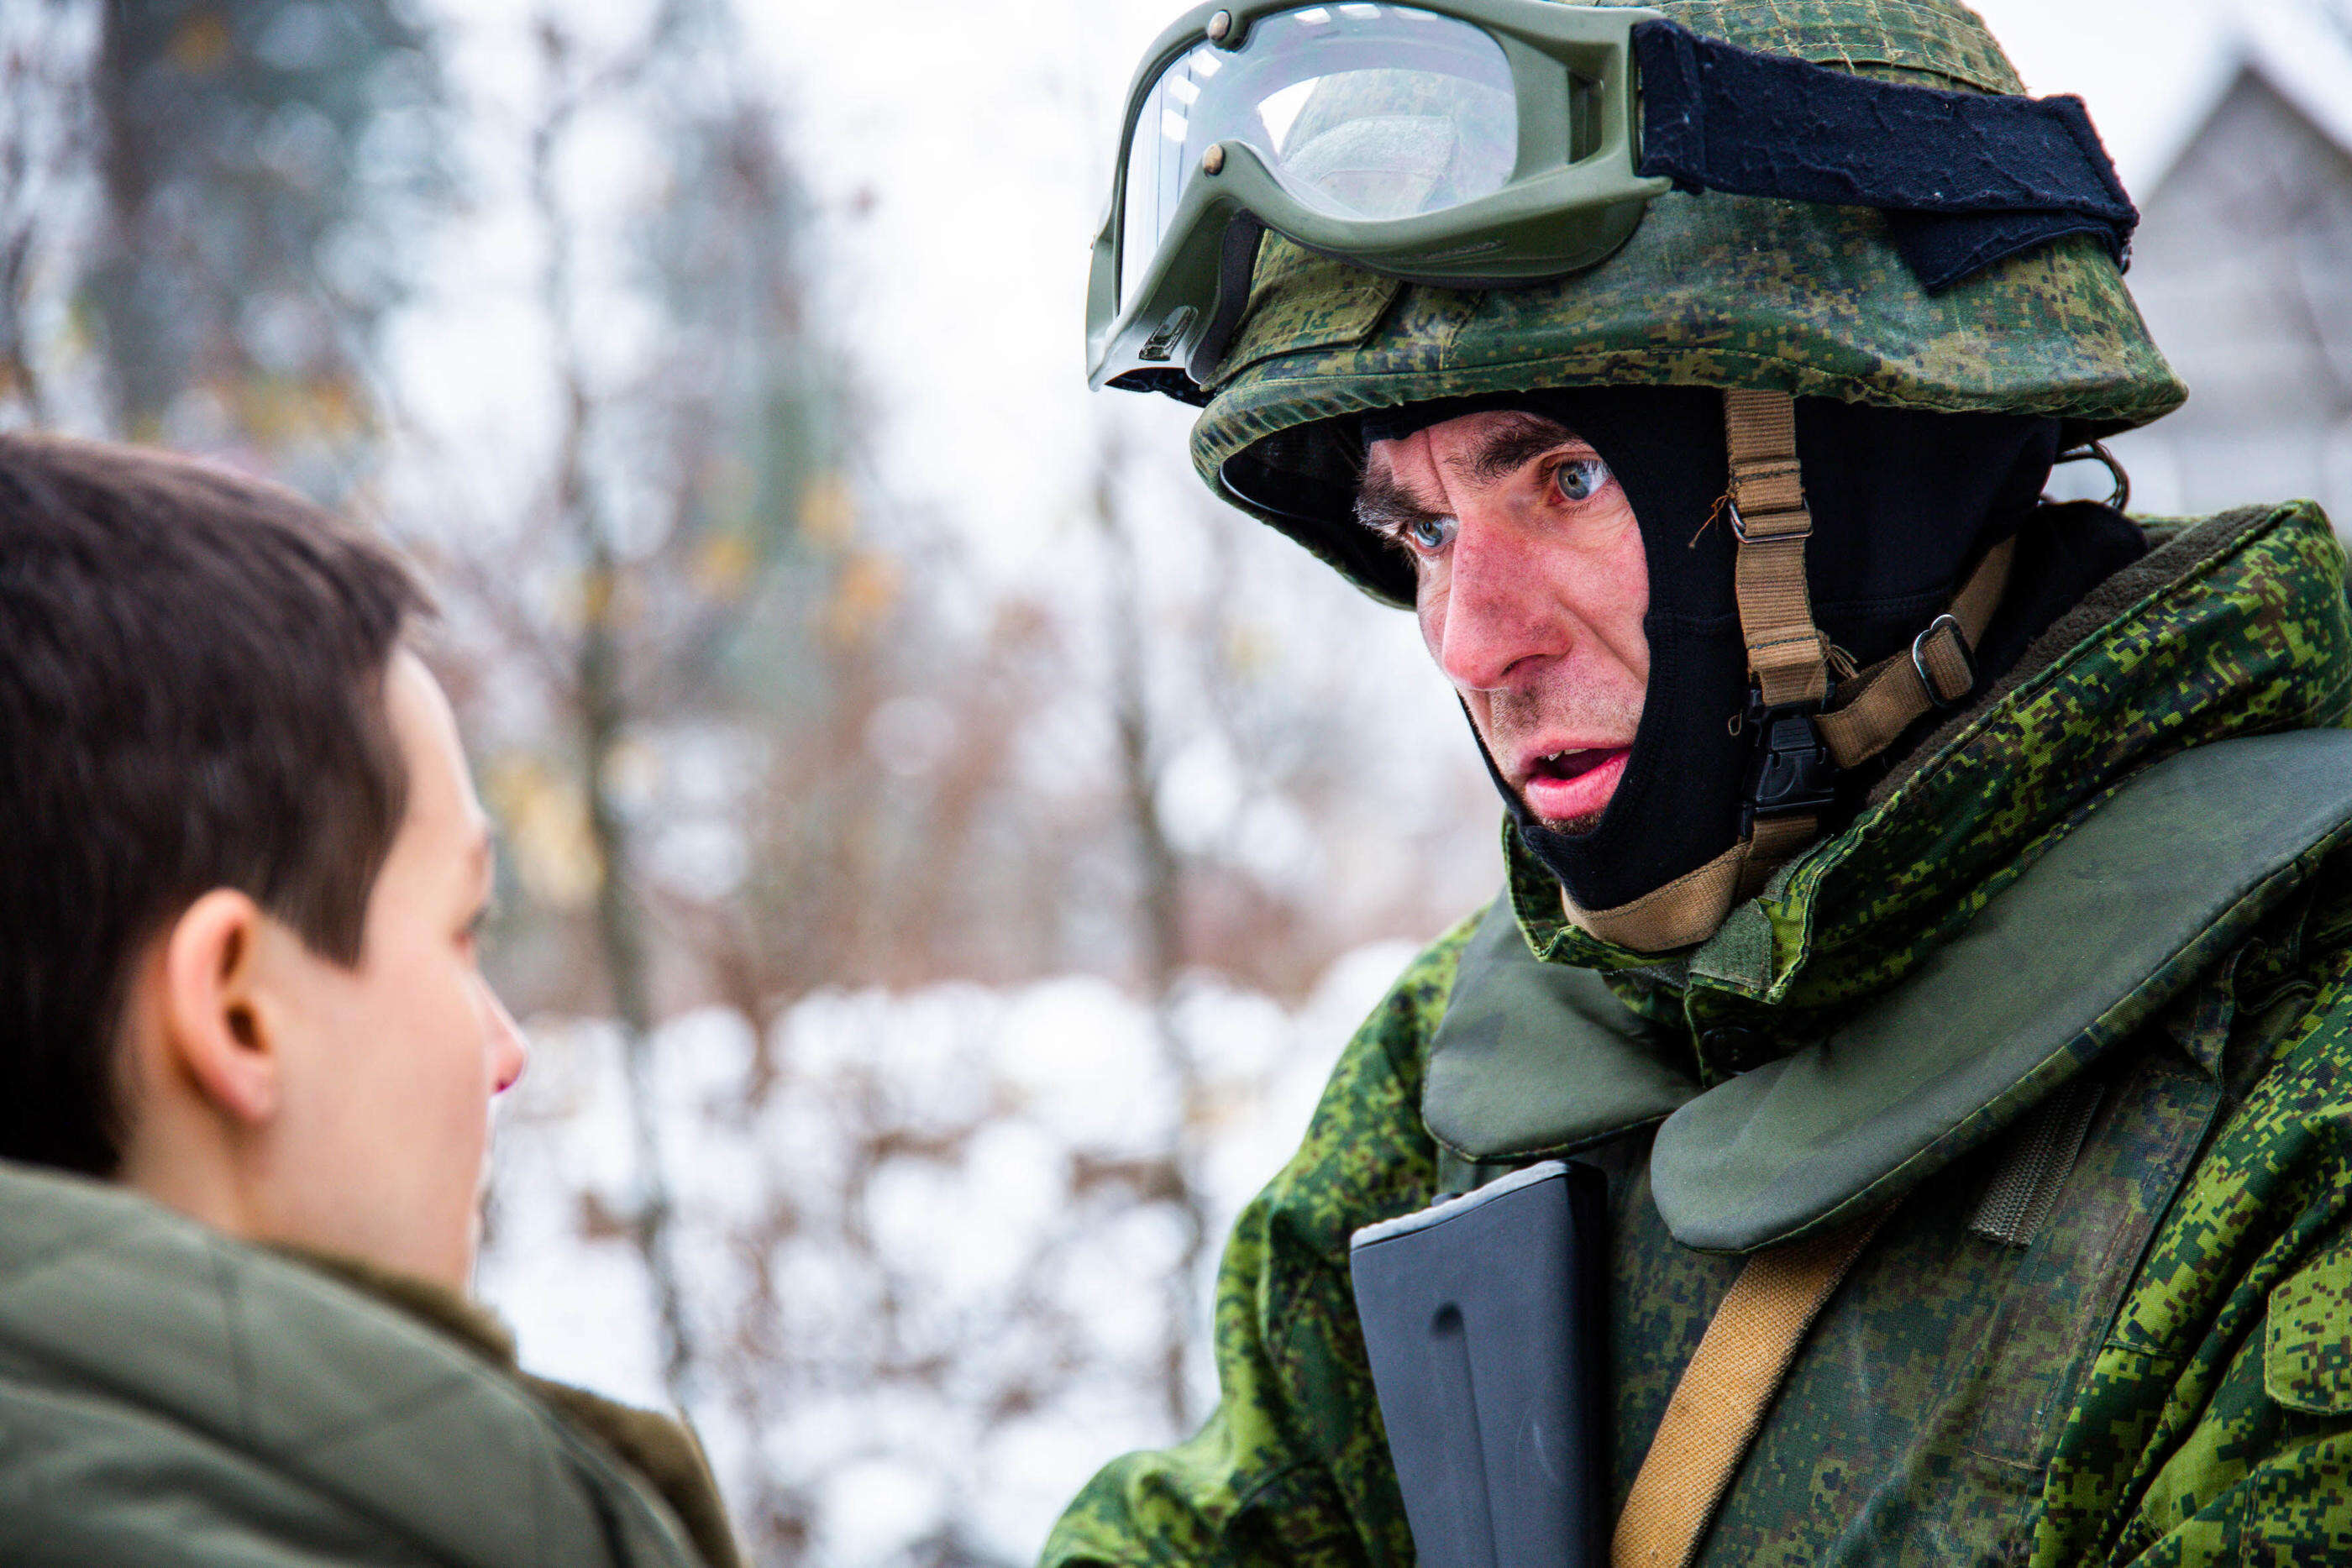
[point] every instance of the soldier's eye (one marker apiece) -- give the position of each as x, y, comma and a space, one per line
1431, 534
1581, 478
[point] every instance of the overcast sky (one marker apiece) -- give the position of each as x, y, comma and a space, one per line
958, 148
982, 131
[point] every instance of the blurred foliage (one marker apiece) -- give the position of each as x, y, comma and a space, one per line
264, 163
755, 733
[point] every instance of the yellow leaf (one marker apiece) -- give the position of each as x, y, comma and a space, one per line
201, 46
862, 595
829, 510
722, 565
547, 830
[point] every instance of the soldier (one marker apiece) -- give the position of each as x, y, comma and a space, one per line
1925, 902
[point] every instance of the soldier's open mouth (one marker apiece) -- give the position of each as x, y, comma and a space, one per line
1565, 765
1572, 787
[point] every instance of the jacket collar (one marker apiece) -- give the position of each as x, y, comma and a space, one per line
662, 1450
1877, 1014
319, 1367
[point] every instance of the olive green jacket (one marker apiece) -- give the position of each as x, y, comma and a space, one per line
169, 1395
2150, 1362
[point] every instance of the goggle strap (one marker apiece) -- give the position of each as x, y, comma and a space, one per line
1236, 265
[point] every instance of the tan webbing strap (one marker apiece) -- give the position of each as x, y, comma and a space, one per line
1767, 501
1718, 1406
1773, 843
1685, 910
1784, 654
1882, 702
1689, 908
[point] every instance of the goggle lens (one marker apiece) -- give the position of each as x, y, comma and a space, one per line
1362, 111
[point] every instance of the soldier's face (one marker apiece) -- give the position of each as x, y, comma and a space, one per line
1532, 587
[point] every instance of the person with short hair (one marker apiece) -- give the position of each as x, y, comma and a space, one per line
246, 1063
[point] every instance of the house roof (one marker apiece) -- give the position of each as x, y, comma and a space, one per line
2297, 47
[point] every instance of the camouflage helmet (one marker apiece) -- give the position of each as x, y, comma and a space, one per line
1712, 290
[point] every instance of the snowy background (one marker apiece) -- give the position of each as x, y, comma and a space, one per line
944, 853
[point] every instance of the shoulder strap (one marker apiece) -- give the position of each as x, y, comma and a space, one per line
1935, 672
1718, 1406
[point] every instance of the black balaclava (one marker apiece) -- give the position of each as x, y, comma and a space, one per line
1904, 503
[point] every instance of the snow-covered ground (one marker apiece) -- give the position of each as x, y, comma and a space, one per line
928, 1286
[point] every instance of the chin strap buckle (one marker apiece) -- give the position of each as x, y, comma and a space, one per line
1790, 771
1944, 662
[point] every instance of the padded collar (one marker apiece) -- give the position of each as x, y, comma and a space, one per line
2113, 922
1914, 986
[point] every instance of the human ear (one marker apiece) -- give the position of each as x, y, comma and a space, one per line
217, 1025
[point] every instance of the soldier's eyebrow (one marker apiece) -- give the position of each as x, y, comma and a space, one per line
1387, 508
1526, 437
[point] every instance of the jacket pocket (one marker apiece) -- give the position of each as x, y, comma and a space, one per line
2307, 1340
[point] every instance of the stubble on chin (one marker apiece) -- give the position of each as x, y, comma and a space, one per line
1568, 827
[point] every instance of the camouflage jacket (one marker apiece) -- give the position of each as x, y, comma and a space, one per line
2156, 1369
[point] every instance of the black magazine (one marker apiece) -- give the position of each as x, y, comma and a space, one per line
1485, 1318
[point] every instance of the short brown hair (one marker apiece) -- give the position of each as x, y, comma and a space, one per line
192, 696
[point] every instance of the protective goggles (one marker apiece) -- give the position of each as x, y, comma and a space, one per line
1494, 143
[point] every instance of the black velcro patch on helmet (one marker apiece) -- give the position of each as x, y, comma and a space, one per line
1966, 179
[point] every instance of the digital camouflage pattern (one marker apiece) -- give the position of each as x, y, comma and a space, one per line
1712, 290
2201, 656
2163, 1376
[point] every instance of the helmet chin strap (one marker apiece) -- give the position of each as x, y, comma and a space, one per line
1805, 727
